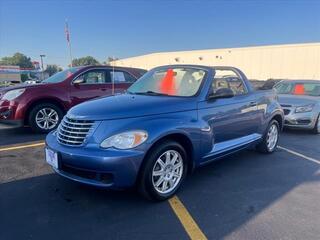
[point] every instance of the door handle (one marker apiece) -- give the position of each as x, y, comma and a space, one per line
253, 103
103, 89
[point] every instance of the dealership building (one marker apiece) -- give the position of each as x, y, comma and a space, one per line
291, 61
9, 74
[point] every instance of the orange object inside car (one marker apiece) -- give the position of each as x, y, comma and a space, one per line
299, 89
167, 84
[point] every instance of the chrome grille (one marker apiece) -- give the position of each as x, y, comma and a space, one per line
73, 132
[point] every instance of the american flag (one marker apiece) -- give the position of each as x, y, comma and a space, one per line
66, 30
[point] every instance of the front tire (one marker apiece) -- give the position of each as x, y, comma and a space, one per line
163, 171
270, 139
45, 117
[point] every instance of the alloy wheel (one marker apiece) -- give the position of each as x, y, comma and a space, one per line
167, 172
272, 137
47, 118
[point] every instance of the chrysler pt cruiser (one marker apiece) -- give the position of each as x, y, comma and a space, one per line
172, 120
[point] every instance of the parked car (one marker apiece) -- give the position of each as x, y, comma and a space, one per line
32, 81
269, 84
43, 105
7, 83
256, 84
300, 100
172, 120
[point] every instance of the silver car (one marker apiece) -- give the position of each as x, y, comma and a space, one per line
300, 100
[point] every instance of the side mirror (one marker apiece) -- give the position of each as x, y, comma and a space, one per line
222, 93
78, 81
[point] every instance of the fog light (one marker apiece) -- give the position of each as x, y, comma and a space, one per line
5, 114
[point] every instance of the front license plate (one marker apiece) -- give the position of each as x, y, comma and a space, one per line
52, 158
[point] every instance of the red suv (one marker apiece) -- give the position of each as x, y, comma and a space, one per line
43, 105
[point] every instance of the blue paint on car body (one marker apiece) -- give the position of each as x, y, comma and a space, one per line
210, 128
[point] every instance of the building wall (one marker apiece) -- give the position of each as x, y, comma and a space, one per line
294, 61
7, 75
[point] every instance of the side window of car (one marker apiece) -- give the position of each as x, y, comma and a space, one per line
121, 77
228, 79
237, 85
92, 77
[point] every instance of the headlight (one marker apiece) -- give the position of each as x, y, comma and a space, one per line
125, 140
10, 95
306, 108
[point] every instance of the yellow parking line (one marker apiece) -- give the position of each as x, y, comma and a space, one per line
21, 147
300, 155
186, 219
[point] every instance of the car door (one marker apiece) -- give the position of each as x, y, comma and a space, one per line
230, 121
90, 84
121, 79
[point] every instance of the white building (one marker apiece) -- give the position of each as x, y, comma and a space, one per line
292, 61
9, 74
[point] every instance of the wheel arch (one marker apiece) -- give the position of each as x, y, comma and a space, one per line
279, 118
182, 139
42, 101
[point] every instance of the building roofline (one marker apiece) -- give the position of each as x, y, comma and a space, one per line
226, 49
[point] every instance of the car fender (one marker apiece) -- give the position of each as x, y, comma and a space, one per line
158, 127
272, 111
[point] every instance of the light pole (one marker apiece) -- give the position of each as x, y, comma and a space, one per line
42, 56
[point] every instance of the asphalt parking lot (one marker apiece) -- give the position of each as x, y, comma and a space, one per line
245, 196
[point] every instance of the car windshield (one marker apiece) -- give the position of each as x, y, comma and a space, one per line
61, 76
175, 81
299, 88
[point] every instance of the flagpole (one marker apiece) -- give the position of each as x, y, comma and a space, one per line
67, 32
113, 76
70, 54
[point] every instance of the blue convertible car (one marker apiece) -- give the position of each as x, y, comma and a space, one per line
172, 120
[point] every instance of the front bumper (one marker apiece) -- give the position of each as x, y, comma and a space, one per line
89, 164
8, 115
306, 120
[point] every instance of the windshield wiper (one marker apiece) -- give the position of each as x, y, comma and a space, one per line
152, 93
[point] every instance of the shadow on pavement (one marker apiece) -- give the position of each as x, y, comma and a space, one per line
50, 207
251, 191
301, 141
245, 196
19, 135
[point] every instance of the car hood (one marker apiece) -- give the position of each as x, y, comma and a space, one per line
297, 100
130, 106
22, 85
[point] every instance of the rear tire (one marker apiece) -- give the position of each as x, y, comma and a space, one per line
316, 129
45, 117
270, 139
163, 171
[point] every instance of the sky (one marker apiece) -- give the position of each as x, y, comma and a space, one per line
131, 28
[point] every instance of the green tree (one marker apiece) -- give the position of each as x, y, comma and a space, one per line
84, 61
18, 59
109, 60
52, 69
